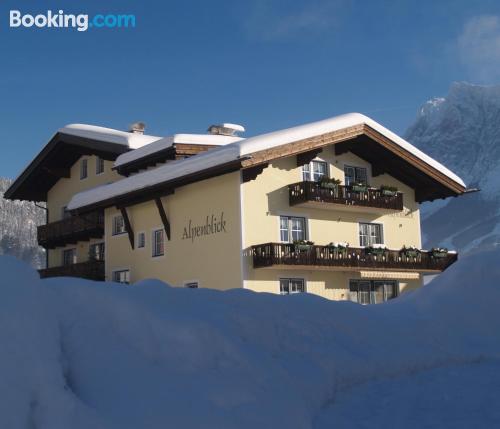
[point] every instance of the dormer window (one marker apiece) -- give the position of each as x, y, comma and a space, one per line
354, 175
84, 168
314, 171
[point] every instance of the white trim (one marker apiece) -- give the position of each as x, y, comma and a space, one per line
116, 270
153, 230
305, 216
97, 158
145, 240
371, 222
304, 280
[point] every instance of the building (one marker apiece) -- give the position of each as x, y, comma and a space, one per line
330, 208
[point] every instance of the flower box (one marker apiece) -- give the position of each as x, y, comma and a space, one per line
389, 193
439, 253
376, 250
303, 245
359, 188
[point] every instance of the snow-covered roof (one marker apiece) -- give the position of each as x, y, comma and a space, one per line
132, 140
166, 142
241, 149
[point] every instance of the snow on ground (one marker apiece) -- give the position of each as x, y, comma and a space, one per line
80, 354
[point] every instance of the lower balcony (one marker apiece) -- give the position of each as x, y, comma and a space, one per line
71, 230
274, 255
314, 194
92, 270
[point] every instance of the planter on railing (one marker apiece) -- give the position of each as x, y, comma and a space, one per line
388, 191
438, 252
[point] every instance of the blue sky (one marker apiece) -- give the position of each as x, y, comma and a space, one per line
264, 64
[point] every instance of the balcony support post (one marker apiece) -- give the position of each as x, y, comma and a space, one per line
163, 216
128, 226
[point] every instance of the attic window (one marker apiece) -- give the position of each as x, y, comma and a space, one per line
99, 165
84, 168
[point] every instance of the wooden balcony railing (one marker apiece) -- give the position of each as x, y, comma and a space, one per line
71, 230
92, 270
284, 254
303, 192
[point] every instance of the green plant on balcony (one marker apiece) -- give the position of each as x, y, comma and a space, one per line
388, 191
410, 251
359, 187
439, 252
329, 183
303, 245
376, 250
338, 248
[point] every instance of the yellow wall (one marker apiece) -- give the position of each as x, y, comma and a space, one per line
266, 198
212, 260
62, 192
55, 257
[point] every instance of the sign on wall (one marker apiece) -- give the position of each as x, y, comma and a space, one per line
213, 225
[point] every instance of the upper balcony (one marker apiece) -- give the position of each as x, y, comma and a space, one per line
287, 255
71, 230
92, 270
314, 194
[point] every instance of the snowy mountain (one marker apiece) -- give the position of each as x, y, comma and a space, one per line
462, 130
18, 222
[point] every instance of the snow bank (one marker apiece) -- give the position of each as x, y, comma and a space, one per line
80, 354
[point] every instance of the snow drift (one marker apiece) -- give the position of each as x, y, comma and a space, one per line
80, 354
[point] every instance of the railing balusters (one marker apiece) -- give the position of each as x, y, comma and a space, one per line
312, 191
270, 254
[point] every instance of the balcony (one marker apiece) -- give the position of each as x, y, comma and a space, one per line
71, 230
92, 270
312, 194
287, 255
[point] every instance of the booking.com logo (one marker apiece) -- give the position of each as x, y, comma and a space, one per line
81, 22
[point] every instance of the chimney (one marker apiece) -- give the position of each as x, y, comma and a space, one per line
137, 128
226, 129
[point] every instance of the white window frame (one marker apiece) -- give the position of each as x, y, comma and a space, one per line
114, 232
143, 233
99, 243
98, 161
63, 256
290, 216
382, 232
371, 291
120, 270
153, 242
355, 178
310, 171
289, 279
84, 162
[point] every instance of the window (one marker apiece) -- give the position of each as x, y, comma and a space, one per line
99, 165
121, 276
370, 234
69, 257
96, 252
84, 168
191, 285
141, 240
290, 286
354, 175
65, 214
292, 228
314, 171
158, 242
118, 225
372, 291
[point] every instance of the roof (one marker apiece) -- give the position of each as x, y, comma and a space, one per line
63, 150
110, 135
167, 142
248, 148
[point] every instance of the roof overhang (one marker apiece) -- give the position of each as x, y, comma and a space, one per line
54, 162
